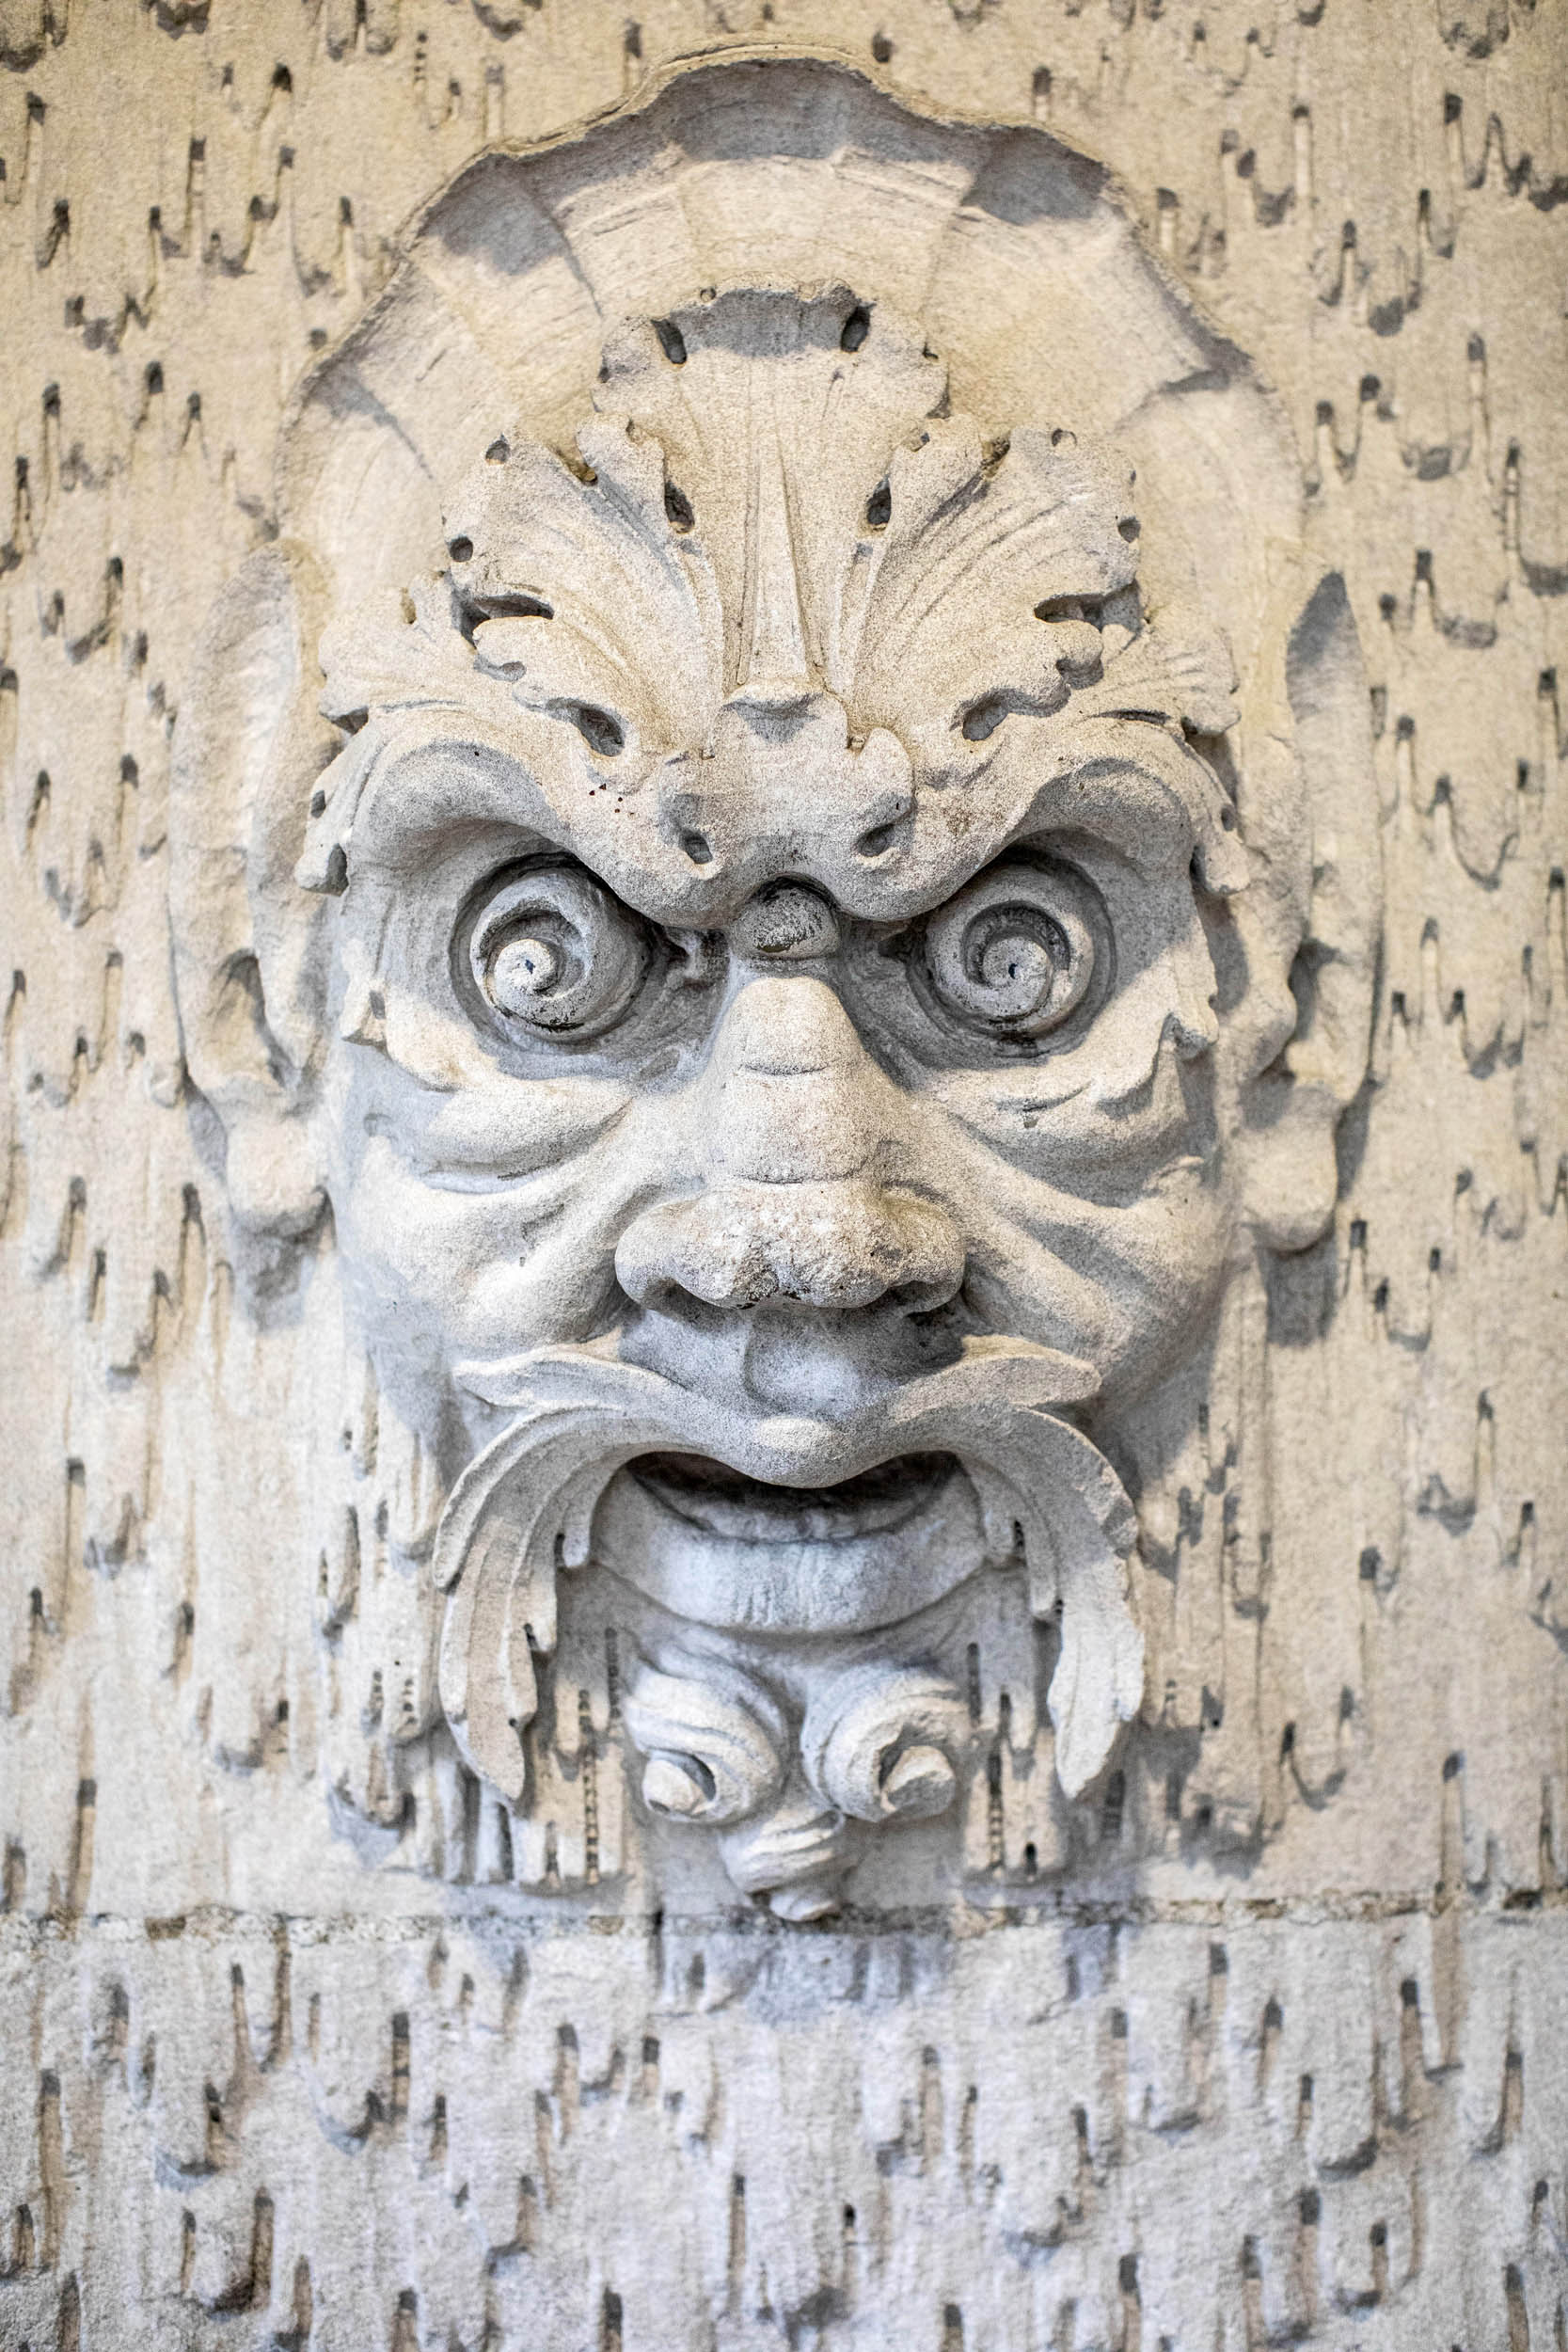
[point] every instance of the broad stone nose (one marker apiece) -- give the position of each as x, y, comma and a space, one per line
798, 1127
836, 1245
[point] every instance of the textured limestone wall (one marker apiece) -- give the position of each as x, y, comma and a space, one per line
1274, 2053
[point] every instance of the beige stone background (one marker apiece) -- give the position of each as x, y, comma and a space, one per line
1301, 2075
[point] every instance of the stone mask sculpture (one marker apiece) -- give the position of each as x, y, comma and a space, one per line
769, 973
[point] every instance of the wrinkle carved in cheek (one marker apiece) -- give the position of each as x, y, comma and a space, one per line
503, 1127
1055, 1137
1100, 1234
460, 1273
1120, 1287
486, 1224
1078, 1147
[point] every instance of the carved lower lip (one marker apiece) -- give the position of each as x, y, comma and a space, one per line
722, 1548
720, 1500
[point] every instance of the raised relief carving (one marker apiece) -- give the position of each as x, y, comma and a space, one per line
804, 990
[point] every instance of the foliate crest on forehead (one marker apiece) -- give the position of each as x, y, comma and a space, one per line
769, 514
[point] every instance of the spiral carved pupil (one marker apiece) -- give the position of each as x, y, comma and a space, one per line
1014, 953
1020, 966
553, 951
522, 969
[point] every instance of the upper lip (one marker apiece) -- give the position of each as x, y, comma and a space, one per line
918, 1414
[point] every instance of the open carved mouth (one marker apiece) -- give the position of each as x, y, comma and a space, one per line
783, 1525
721, 1500
718, 1545
788, 1528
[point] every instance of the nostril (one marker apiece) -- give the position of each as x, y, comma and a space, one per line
677, 1302
918, 1300
933, 1256
838, 1246
653, 1273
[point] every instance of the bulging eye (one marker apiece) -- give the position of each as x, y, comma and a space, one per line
553, 953
1015, 952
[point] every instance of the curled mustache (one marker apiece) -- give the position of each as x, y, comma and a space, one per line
522, 1511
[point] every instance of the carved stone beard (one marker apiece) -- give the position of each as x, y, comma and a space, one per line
786, 1732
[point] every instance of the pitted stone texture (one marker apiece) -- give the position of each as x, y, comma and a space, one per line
278, 2073
1317, 2128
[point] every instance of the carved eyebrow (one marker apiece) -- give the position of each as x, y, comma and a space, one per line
1171, 776
1140, 816
417, 787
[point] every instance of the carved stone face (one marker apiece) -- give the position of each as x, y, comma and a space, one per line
788, 1062
781, 899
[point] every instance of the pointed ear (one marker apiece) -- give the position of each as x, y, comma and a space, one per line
248, 951
1294, 1106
